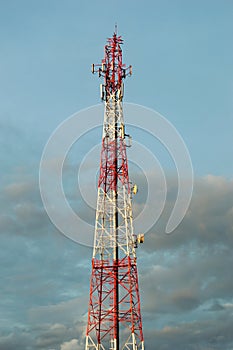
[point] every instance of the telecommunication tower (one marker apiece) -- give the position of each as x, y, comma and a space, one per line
114, 315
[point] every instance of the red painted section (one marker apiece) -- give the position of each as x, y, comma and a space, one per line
101, 308
108, 171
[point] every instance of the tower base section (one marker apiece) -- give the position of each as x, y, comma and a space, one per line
130, 344
102, 314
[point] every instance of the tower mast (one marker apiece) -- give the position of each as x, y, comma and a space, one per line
114, 316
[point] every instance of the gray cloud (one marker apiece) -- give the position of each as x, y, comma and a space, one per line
208, 221
211, 334
73, 344
185, 278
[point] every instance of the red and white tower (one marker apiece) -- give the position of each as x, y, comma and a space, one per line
114, 316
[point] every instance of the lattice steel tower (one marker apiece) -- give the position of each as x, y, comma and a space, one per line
114, 316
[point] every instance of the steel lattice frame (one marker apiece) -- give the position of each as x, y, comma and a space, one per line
114, 306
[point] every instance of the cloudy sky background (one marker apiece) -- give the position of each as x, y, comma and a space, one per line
182, 57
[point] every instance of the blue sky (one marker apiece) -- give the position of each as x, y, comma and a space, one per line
182, 58
180, 52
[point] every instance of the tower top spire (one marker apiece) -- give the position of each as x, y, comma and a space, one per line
115, 28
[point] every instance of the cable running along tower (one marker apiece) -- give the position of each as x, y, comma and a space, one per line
114, 316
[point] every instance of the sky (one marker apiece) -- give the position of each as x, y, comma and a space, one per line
182, 60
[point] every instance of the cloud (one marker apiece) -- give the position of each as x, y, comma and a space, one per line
185, 280
43, 336
216, 306
70, 345
210, 334
65, 311
51, 336
21, 207
208, 221
14, 190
